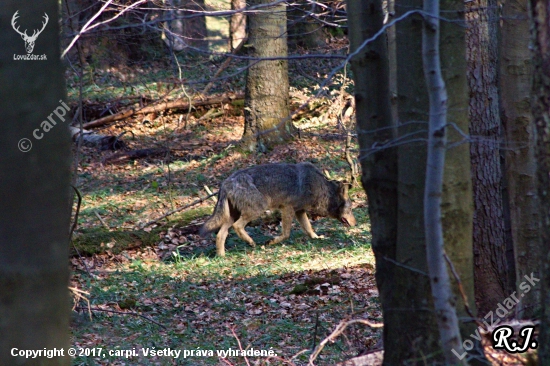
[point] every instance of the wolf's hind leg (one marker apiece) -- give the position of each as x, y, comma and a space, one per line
306, 225
221, 236
241, 232
287, 213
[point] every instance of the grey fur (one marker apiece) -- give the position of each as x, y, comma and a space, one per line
293, 189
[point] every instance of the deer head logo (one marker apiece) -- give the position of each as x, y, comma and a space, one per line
29, 40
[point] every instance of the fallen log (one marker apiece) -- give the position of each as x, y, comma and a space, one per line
182, 103
103, 142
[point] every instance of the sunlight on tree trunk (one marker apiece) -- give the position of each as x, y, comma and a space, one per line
267, 89
237, 24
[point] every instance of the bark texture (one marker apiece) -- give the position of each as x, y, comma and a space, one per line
485, 130
375, 126
34, 210
444, 300
266, 94
413, 310
457, 201
540, 15
516, 70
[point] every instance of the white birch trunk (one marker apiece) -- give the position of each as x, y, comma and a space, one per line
439, 277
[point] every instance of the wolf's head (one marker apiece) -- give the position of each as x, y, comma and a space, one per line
343, 212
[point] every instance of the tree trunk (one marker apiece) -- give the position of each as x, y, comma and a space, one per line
516, 68
237, 24
34, 210
190, 32
444, 300
485, 130
375, 126
457, 200
540, 15
303, 30
266, 95
413, 307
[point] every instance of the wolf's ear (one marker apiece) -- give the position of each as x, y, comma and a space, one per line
344, 187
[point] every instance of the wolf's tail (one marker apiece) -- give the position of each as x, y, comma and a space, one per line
221, 214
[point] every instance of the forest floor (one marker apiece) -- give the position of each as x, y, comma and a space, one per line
160, 286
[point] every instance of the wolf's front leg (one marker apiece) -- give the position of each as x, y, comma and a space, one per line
306, 225
286, 215
241, 232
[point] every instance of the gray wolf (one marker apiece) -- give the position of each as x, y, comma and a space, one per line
293, 189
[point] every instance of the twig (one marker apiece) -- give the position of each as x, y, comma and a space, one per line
102, 221
178, 210
405, 266
75, 224
239, 343
125, 313
223, 67
339, 330
215, 199
79, 294
460, 288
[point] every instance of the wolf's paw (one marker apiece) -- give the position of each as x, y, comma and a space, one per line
315, 236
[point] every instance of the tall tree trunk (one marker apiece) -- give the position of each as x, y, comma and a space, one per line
34, 209
237, 24
515, 81
444, 301
485, 129
540, 16
266, 95
375, 126
303, 30
413, 306
457, 200
184, 33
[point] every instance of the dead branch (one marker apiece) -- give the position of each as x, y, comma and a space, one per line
182, 103
104, 142
178, 210
134, 154
125, 313
339, 330
223, 67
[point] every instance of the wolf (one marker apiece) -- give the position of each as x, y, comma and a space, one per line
293, 189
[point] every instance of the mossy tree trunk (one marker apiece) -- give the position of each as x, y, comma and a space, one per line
34, 204
540, 16
267, 91
375, 126
515, 81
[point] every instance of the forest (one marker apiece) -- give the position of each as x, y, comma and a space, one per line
275, 182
